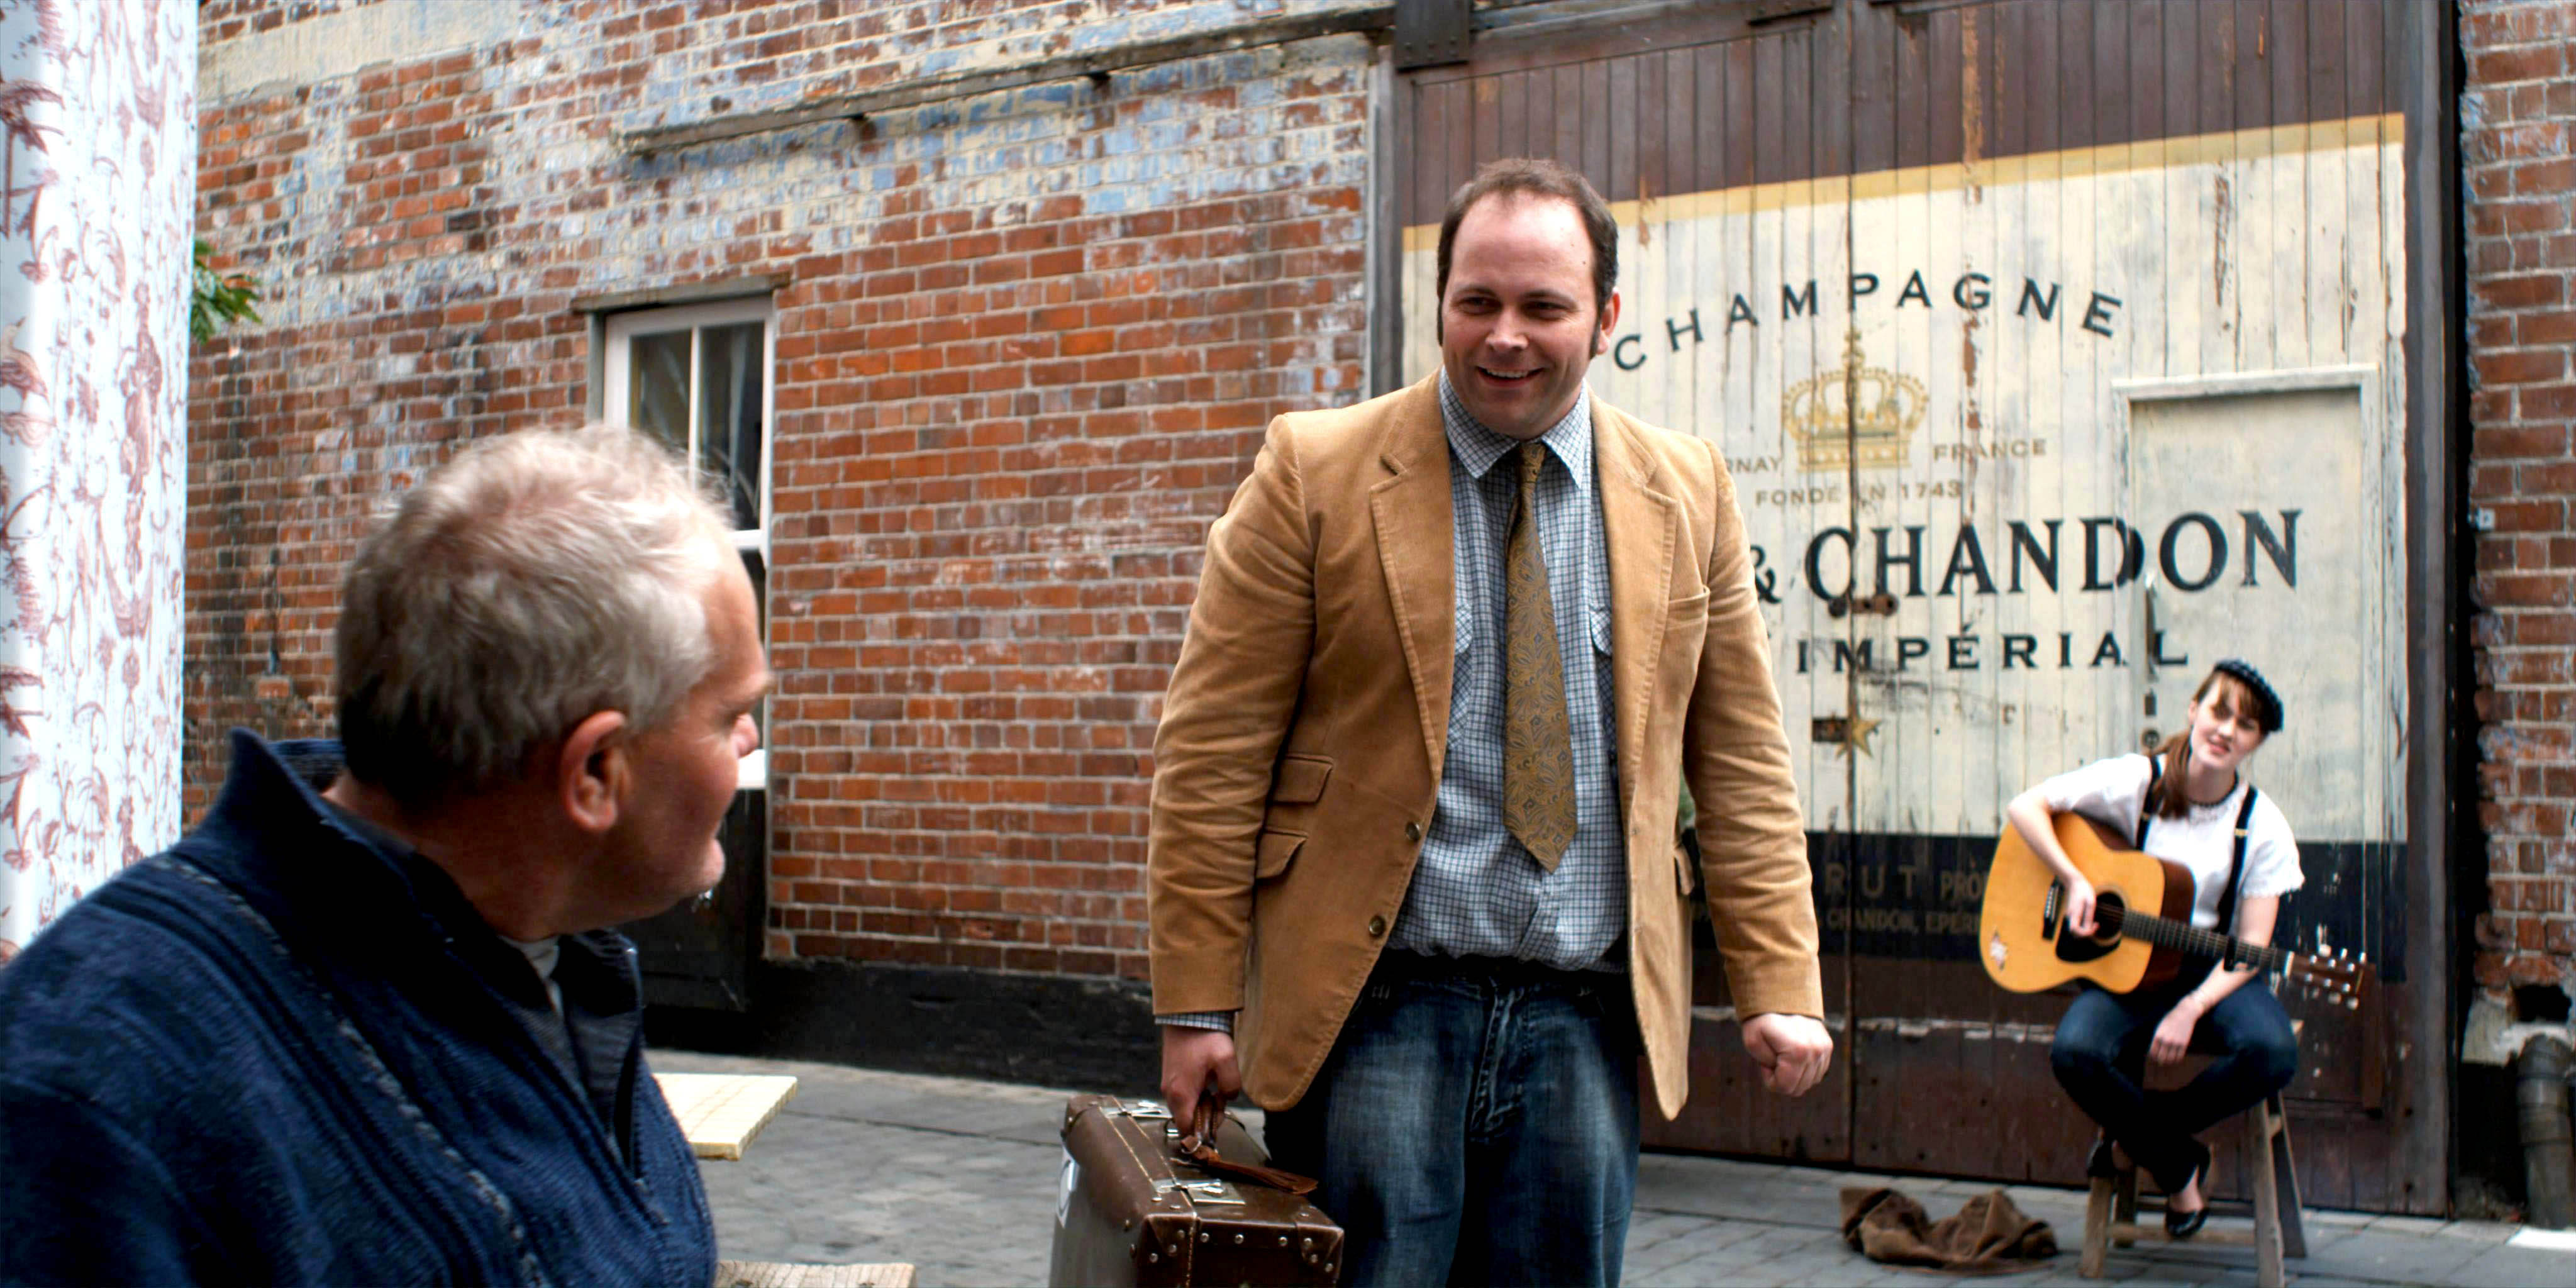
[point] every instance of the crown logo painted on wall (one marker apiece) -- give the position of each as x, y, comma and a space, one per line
1860, 411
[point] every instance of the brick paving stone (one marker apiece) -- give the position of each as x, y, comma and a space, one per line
1658, 1242
959, 1178
2498, 1264
2480, 1231
2419, 1226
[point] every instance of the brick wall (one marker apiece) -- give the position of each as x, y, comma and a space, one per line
2518, 118
1026, 346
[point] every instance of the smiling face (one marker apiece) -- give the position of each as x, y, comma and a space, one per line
1517, 323
2224, 727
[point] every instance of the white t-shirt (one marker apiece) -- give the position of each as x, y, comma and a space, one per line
2112, 792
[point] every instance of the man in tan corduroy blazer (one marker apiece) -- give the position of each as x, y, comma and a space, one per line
1309, 755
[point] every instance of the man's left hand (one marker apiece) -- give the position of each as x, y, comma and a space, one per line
1793, 1051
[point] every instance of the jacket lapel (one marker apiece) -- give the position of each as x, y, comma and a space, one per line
1640, 524
1417, 545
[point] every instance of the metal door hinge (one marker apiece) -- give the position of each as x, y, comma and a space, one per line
1881, 604
1430, 33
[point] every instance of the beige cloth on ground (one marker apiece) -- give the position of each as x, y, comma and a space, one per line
1988, 1236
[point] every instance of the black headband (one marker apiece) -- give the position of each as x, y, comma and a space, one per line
2267, 703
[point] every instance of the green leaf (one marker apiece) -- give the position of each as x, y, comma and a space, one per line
216, 299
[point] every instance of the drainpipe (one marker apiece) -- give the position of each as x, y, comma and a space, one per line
2548, 1137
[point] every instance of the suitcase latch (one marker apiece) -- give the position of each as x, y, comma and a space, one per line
1139, 1110
1212, 1190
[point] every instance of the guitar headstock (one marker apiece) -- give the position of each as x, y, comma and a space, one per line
2332, 975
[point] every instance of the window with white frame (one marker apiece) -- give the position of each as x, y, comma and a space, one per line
696, 376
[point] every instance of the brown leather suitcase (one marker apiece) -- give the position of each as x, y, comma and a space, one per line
1129, 1213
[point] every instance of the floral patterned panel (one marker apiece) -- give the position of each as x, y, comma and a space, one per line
98, 142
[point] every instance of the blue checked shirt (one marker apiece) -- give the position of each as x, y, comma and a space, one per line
1476, 891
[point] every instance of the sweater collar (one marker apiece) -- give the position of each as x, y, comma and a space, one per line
273, 837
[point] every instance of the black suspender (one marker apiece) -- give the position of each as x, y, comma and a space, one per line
2155, 773
2235, 874
2235, 870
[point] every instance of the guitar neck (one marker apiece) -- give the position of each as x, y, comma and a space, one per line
2189, 939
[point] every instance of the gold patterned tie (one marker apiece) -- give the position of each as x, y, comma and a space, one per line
1538, 746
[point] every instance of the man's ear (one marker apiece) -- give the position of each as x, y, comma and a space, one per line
1609, 323
592, 771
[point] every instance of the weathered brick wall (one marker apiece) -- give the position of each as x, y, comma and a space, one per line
1026, 346
2518, 119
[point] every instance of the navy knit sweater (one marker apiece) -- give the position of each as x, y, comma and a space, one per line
281, 1053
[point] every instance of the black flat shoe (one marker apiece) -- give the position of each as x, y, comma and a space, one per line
2183, 1225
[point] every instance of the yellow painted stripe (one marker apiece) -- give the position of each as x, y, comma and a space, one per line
2037, 167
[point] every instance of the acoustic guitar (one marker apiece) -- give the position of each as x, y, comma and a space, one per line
2142, 923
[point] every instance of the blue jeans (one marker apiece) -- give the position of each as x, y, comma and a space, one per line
1476, 1123
2100, 1055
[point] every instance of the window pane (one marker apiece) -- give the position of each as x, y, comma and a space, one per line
729, 389
657, 387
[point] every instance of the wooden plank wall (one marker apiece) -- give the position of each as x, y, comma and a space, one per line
2229, 165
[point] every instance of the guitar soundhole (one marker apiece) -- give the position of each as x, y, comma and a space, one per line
2108, 909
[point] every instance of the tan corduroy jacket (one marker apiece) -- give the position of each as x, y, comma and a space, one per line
1302, 737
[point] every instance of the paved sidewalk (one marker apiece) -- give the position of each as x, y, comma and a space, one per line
959, 1178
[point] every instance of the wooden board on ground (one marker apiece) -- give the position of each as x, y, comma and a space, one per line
787, 1274
719, 1113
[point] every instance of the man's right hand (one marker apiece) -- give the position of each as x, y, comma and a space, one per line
1198, 1075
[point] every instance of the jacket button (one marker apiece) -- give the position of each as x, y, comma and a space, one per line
1377, 927
1412, 831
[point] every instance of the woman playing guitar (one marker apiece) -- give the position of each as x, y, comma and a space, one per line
2188, 803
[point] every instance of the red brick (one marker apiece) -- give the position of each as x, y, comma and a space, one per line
2529, 515
2522, 291
2507, 442
2545, 178
2529, 591
2529, 63
2556, 477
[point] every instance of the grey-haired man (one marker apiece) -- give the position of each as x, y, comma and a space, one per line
366, 1023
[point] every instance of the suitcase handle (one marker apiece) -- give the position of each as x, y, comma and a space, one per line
1197, 1147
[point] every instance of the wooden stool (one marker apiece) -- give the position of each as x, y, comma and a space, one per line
2111, 1216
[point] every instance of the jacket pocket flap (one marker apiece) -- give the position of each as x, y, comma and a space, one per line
1274, 853
1301, 780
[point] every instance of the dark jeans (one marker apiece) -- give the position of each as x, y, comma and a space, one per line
2100, 1056
1475, 1124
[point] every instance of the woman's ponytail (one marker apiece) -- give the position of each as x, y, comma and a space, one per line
2166, 797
